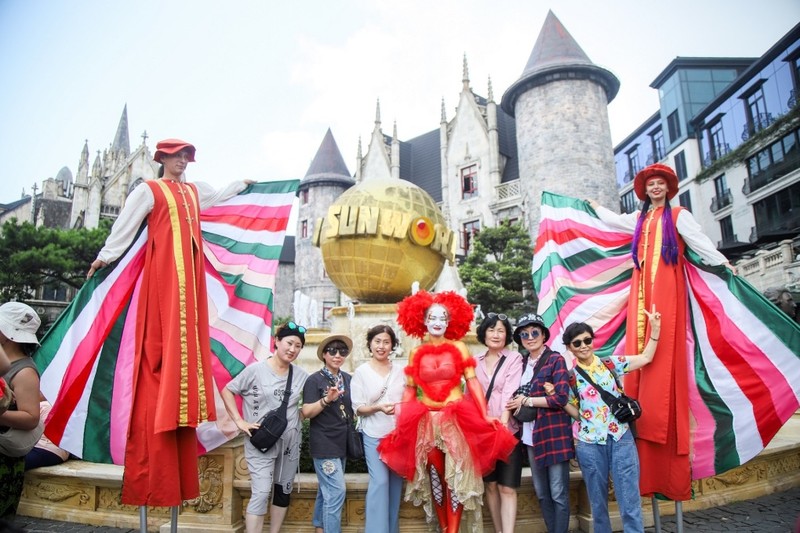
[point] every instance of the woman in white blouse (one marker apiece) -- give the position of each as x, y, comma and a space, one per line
376, 387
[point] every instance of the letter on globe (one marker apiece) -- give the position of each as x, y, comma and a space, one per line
394, 223
368, 220
332, 221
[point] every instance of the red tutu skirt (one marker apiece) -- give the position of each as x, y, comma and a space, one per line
458, 429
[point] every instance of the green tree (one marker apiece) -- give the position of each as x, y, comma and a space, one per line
32, 257
497, 271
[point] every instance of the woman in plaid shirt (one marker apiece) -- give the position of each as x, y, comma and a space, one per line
548, 438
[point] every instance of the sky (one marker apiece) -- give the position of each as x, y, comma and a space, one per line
255, 84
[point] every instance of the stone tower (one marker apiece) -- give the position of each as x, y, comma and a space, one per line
563, 134
326, 179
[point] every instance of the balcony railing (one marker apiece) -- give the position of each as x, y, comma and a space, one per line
728, 241
721, 150
771, 173
109, 210
720, 201
760, 121
787, 224
507, 191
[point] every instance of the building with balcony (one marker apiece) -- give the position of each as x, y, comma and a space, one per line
730, 127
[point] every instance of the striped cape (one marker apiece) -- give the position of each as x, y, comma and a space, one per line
86, 359
745, 352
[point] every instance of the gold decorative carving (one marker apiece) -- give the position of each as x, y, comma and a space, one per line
736, 477
240, 470
785, 465
59, 493
110, 500
210, 471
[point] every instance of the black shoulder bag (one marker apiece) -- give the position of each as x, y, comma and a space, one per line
624, 408
355, 445
274, 423
526, 413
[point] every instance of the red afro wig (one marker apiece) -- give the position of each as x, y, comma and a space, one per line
412, 309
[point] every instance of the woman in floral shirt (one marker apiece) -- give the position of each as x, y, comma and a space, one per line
606, 445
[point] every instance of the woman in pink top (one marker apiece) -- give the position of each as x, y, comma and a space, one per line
498, 370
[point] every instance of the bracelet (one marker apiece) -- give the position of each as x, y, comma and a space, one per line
324, 402
653, 339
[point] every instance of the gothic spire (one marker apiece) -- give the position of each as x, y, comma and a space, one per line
465, 75
121, 140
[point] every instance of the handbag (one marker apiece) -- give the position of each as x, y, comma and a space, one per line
526, 413
623, 407
274, 423
18, 442
355, 445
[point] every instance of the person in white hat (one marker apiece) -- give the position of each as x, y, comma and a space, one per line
18, 326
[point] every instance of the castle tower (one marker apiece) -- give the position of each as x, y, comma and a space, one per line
563, 134
326, 179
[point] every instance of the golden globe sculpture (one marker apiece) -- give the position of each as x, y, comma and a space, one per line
382, 235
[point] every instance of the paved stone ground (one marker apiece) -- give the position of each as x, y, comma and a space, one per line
776, 513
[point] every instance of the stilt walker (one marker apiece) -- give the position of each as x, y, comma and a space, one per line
172, 388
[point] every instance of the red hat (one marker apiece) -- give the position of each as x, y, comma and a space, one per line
653, 171
172, 146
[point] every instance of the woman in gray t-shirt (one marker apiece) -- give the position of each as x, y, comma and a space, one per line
261, 386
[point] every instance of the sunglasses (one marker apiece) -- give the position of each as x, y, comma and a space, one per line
501, 316
344, 352
525, 335
292, 325
577, 343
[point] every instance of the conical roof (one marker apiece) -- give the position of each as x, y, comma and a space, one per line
557, 56
328, 163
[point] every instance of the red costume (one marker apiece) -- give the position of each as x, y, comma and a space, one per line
172, 385
443, 444
662, 386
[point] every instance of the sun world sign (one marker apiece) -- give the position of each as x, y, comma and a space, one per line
380, 236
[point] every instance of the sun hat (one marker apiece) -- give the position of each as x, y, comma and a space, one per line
656, 170
19, 322
324, 344
531, 319
172, 146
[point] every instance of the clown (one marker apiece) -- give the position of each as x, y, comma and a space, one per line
444, 443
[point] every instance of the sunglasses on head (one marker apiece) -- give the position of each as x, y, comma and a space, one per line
292, 325
501, 316
525, 335
577, 343
341, 351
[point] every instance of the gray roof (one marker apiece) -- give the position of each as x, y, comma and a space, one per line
421, 160
328, 165
556, 56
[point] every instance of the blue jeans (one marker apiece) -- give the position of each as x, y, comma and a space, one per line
621, 460
551, 484
330, 494
383, 492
